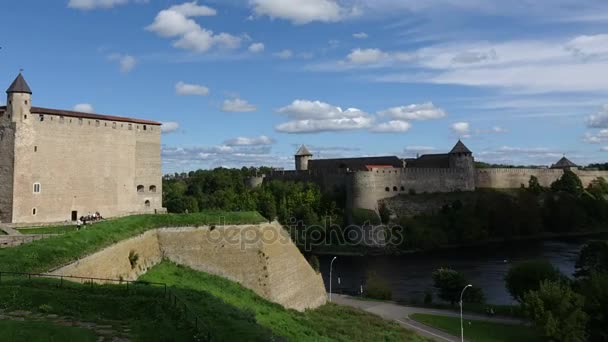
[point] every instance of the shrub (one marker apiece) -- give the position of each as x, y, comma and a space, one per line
133, 257
314, 263
365, 216
450, 284
378, 288
428, 298
592, 258
527, 276
385, 213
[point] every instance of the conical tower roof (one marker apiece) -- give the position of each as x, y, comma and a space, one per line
563, 164
303, 151
19, 85
460, 148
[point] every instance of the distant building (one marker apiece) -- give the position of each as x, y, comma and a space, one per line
58, 165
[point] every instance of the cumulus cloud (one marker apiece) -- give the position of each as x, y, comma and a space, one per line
393, 126
237, 105
177, 22
126, 63
245, 141
186, 89
169, 127
462, 129
315, 116
365, 56
360, 35
599, 119
423, 111
284, 54
256, 47
84, 107
303, 11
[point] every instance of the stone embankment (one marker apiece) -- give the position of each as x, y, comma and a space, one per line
260, 257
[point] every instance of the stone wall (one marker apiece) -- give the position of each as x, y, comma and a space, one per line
7, 148
84, 165
514, 178
369, 187
272, 267
113, 262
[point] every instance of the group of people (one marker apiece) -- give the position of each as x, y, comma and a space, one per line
84, 220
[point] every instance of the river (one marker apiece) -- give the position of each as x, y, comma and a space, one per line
409, 276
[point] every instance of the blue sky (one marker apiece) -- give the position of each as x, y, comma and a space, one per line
243, 82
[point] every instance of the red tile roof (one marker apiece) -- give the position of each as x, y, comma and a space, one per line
39, 110
69, 113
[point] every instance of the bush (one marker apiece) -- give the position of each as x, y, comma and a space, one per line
365, 216
592, 258
527, 276
450, 284
133, 257
385, 213
428, 298
569, 182
557, 311
378, 288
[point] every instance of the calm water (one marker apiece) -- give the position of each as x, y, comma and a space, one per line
409, 276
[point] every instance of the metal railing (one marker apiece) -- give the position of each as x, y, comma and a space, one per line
174, 300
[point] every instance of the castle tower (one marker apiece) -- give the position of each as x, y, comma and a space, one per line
19, 100
461, 157
302, 157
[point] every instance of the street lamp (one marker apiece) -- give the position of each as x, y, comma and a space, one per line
461, 326
330, 266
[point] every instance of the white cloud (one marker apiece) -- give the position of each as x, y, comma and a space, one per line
237, 105
284, 54
84, 107
599, 119
94, 4
596, 138
462, 129
366, 56
393, 126
418, 149
303, 11
360, 35
176, 22
424, 111
169, 127
245, 141
187, 158
256, 47
316, 116
186, 89
126, 62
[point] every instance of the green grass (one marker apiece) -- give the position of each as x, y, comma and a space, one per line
480, 331
149, 315
28, 331
234, 323
499, 310
48, 229
43, 255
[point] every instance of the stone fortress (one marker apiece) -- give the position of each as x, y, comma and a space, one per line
58, 165
370, 179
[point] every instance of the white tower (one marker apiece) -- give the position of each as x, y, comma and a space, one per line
19, 100
302, 157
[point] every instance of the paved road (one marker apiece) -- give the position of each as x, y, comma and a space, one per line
400, 314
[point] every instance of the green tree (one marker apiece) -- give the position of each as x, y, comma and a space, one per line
450, 284
595, 291
527, 276
568, 182
267, 206
314, 263
534, 186
592, 258
377, 287
557, 311
384, 212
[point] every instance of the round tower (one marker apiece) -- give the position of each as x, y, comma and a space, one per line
19, 100
302, 157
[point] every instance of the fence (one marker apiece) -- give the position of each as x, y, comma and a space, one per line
174, 301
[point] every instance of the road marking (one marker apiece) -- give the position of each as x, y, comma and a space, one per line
426, 331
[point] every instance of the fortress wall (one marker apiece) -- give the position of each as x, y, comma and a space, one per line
84, 165
504, 178
369, 187
589, 176
7, 149
273, 267
113, 262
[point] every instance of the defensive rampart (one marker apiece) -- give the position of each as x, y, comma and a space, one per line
259, 257
502, 178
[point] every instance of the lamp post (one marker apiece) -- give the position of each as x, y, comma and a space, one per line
461, 326
330, 266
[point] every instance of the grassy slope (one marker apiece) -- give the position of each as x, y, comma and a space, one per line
23, 331
480, 331
148, 314
328, 323
43, 255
